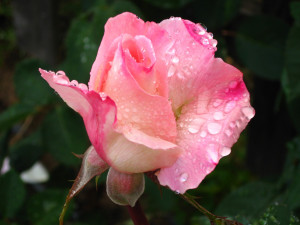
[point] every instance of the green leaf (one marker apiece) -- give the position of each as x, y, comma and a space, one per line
295, 11
44, 208
30, 86
12, 194
26, 152
63, 134
276, 213
291, 77
260, 44
215, 14
169, 4
246, 202
14, 114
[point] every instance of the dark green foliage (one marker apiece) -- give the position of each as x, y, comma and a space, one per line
261, 38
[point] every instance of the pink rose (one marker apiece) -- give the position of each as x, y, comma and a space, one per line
158, 100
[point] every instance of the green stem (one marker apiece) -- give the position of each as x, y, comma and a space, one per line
137, 214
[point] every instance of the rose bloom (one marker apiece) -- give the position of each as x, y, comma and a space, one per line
158, 100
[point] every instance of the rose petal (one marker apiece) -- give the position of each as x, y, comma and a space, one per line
99, 118
208, 126
188, 61
128, 23
130, 157
137, 110
124, 189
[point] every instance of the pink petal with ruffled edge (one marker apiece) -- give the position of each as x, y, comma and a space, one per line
212, 107
129, 24
99, 117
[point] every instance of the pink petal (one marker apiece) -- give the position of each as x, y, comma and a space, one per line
124, 189
137, 110
188, 59
129, 157
128, 23
208, 126
99, 117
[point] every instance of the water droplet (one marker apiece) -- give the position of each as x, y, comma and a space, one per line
175, 59
203, 26
229, 106
232, 124
218, 116
171, 71
62, 81
228, 132
248, 111
233, 84
214, 128
203, 134
238, 123
210, 35
193, 129
60, 73
205, 41
74, 82
217, 102
83, 87
225, 151
213, 152
177, 192
183, 178
213, 42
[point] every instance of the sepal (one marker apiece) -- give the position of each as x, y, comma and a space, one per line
124, 189
92, 165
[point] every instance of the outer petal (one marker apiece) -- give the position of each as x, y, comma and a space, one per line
124, 189
99, 117
188, 59
128, 23
208, 126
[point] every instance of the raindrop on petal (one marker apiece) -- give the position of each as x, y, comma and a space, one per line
183, 178
229, 106
214, 128
248, 112
218, 116
225, 151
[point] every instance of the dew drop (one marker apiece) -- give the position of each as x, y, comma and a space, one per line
175, 59
74, 82
228, 132
205, 41
183, 178
60, 73
83, 87
171, 71
218, 116
217, 102
210, 35
193, 129
214, 128
203, 26
225, 151
213, 42
212, 152
229, 106
62, 81
248, 112
232, 125
203, 134
233, 84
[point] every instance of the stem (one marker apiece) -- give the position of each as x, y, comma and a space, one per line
137, 215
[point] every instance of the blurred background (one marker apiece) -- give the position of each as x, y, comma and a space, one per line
258, 183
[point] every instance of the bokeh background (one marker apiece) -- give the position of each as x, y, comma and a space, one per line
259, 183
